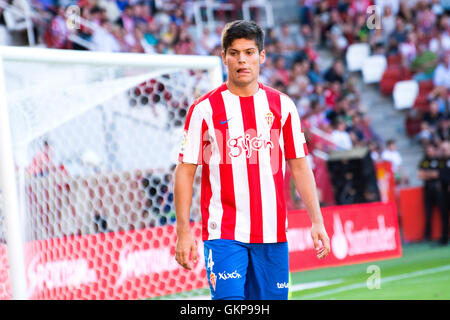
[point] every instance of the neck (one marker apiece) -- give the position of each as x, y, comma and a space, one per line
243, 91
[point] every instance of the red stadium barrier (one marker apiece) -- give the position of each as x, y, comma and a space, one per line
134, 264
412, 213
358, 233
140, 264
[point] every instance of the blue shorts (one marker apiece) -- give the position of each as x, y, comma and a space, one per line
247, 271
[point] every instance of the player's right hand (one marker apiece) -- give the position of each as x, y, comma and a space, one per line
320, 240
186, 250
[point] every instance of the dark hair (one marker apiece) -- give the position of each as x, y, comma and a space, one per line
242, 29
390, 142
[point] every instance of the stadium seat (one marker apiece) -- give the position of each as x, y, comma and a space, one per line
373, 68
355, 56
426, 87
421, 102
407, 74
391, 75
387, 86
405, 94
394, 60
413, 121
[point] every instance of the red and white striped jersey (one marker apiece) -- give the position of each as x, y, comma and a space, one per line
242, 144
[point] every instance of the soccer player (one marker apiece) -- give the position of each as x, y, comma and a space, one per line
243, 133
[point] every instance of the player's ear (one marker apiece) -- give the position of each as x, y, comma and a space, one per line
262, 56
223, 57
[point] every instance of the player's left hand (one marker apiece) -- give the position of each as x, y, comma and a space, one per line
321, 240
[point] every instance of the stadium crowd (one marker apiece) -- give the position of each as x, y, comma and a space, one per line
327, 100
414, 35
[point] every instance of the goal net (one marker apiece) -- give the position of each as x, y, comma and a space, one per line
89, 143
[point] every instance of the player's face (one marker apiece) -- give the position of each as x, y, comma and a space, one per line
243, 59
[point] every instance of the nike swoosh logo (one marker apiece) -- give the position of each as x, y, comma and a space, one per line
223, 122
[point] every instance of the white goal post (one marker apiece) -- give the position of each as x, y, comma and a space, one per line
46, 95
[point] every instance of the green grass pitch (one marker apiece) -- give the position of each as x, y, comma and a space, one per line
423, 272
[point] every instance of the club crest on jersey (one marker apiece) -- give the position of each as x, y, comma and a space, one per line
269, 118
212, 280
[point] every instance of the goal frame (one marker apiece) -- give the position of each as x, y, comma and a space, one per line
8, 182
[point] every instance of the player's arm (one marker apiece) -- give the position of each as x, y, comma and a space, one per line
183, 187
306, 186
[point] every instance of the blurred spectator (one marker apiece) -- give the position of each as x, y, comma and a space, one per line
361, 30
126, 21
355, 130
305, 33
315, 75
392, 155
369, 132
317, 117
393, 4
279, 85
317, 95
177, 17
335, 72
426, 19
306, 12
169, 35
310, 51
436, 7
267, 71
321, 19
387, 22
408, 49
433, 196
334, 32
339, 110
288, 44
184, 43
340, 137
444, 178
361, 131
425, 134
84, 32
375, 151
359, 7
208, 42
270, 36
377, 41
103, 38
433, 116
424, 63
151, 37
440, 43
399, 35
281, 73
122, 4
441, 76
112, 9
443, 129
57, 32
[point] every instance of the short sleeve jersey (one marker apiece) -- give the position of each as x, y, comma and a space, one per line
242, 144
